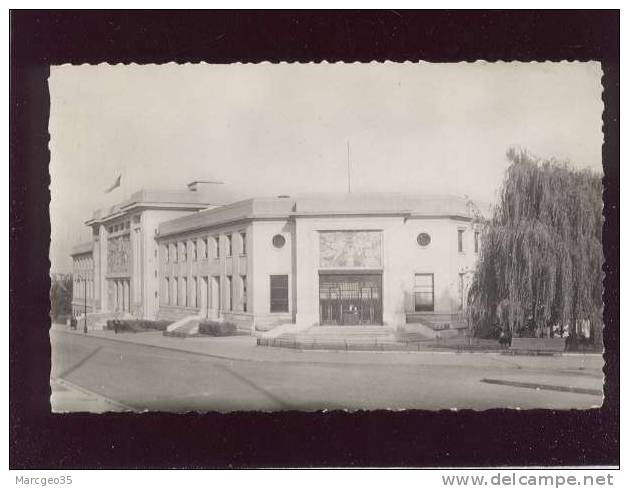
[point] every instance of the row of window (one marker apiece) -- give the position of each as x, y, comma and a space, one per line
424, 291
114, 228
83, 263
83, 287
207, 292
201, 249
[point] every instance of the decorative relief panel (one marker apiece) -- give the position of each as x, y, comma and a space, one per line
350, 249
119, 254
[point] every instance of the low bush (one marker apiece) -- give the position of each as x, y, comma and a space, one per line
137, 325
159, 325
217, 328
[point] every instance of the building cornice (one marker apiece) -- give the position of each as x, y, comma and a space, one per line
144, 206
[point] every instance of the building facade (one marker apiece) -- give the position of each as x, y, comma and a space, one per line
315, 260
82, 279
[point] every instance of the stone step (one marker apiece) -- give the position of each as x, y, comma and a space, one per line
349, 330
188, 326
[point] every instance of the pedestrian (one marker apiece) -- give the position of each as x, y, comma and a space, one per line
115, 326
503, 340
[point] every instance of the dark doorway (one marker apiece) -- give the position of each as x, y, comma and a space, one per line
350, 299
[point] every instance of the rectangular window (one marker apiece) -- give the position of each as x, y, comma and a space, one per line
184, 250
229, 244
204, 246
194, 250
166, 294
184, 292
243, 241
229, 291
217, 296
175, 253
166, 253
217, 247
476, 234
175, 287
243, 296
424, 292
193, 293
460, 232
461, 291
279, 293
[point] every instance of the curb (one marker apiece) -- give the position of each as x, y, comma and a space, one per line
263, 360
531, 385
70, 385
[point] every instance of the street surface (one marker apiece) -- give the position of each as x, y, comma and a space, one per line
113, 373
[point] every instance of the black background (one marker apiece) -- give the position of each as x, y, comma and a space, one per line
39, 439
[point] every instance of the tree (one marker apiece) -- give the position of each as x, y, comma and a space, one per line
60, 295
540, 264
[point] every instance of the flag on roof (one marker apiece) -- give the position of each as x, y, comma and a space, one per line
116, 184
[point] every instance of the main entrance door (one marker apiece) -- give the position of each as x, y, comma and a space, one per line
350, 299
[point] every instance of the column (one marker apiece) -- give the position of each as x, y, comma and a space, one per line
102, 269
127, 295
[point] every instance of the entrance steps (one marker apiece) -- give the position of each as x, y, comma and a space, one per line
325, 337
188, 326
347, 332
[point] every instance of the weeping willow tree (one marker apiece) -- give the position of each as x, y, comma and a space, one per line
540, 263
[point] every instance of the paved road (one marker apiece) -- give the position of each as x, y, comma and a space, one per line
147, 378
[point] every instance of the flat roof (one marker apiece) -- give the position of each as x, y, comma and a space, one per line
283, 207
159, 198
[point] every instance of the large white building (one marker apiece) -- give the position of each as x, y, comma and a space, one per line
351, 259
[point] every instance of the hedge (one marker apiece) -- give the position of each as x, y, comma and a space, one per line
137, 325
217, 328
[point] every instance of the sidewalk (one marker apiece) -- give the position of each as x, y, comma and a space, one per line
243, 348
70, 398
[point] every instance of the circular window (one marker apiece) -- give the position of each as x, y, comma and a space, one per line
423, 239
279, 241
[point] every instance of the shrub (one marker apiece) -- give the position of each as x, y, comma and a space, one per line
159, 325
217, 328
137, 325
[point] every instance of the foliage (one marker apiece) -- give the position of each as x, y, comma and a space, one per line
217, 328
138, 325
540, 264
60, 296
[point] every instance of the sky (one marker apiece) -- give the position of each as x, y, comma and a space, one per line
269, 129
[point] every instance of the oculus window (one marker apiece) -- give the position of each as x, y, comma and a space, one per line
279, 241
423, 239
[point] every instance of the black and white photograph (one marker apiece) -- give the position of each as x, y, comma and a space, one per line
267, 237
314, 239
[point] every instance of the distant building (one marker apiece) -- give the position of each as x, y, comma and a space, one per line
82, 279
351, 259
